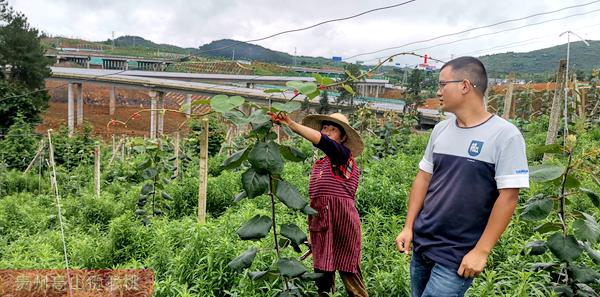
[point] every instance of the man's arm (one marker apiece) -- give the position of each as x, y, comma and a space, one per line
415, 204
474, 261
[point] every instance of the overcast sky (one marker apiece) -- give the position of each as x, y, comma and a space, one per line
194, 23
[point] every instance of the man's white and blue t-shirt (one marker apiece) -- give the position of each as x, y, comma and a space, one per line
468, 167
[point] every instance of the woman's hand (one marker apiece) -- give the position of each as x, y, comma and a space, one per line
281, 117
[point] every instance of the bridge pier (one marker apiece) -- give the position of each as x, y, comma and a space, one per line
156, 115
70, 109
153, 95
79, 88
112, 100
188, 105
161, 113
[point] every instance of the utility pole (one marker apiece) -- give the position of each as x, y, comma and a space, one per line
295, 56
113, 39
233, 55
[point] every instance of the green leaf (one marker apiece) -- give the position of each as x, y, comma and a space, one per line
290, 196
291, 153
348, 89
350, 75
240, 196
583, 274
572, 182
293, 233
274, 90
287, 107
564, 248
288, 131
562, 290
584, 290
235, 160
548, 149
259, 116
594, 254
307, 88
537, 208
257, 275
146, 163
166, 195
149, 173
543, 266
545, 173
318, 78
314, 94
294, 84
243, 261
593, 196
313, 276
254, 183
290, 267
201, 102
309, 210
587, 229
147, 189
236, 118
547, 227
257, 228
537, 247
223, 104
327, 81
265, 158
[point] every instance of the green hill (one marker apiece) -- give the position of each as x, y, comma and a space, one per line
545, 61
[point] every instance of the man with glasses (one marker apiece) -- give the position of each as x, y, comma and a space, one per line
466, 190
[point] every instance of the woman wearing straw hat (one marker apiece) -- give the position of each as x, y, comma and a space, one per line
335, 233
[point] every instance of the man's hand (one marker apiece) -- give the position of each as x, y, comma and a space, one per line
403, 240
473, 263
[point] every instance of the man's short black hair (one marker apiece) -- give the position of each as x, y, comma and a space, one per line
469, 68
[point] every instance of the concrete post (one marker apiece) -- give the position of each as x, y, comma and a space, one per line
188, 105
153, 95
111, 103
79, 88
161, 113
70, 109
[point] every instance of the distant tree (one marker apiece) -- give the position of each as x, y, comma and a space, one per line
345, 96
323, 103
23, 68
415, 85
19, 145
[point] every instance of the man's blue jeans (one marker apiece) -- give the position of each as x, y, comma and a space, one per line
429, 279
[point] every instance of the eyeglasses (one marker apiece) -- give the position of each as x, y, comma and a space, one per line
443, 83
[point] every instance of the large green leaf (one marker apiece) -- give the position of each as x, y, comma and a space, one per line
254, 183
294, 84
318, 78
235, 160
243, 261
291, 153
594, 254
562, 290
572, 182
257, 228
547, 227
147, 189
307, 88
545, 173
313, 275
237, 118
537, 208
290, 267
348, 89
293, 233
535, 248
594, 198
149, 173
265, 158
309, 210
288, 107
314, 94
564, 248
240, 196
583, 274
257, 275
290, 196
223, 104
587, 229
259, 116
584, 290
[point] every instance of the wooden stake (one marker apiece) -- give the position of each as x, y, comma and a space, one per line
508, 98
203, 172
556, 103
37, 154
97, 170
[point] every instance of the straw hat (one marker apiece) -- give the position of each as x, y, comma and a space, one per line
353, 140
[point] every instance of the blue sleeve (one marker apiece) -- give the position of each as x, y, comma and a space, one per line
337, 152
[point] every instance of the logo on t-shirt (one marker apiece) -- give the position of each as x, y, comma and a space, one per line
475, 148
